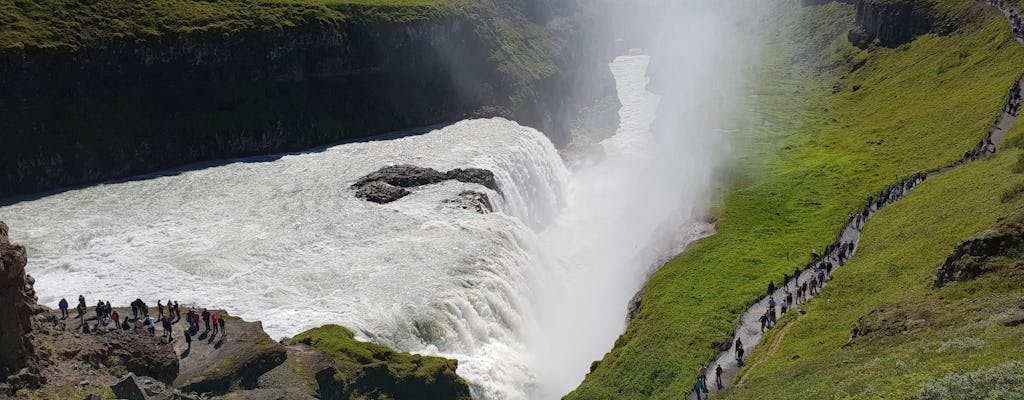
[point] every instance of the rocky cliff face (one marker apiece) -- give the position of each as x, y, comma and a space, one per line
125, 107
892, 23
17, 304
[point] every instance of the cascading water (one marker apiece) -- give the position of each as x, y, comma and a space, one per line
525, 298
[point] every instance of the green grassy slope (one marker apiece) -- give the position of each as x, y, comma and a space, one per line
895, 112
912, 334
73, 23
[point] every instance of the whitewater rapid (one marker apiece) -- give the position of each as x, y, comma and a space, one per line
525, 298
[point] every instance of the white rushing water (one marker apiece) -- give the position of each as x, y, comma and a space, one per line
525, 298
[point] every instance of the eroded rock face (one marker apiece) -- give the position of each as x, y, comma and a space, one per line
17, 302
984, 252
389, 183
890, 22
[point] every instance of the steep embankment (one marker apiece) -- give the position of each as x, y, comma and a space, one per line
837, 124
882, 318
94, 90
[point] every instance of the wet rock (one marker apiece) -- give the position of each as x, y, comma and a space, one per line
405, 176
380, 192
17, 305
479, 176
472, 200
390, 183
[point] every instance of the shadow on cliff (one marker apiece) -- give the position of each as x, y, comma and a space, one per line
7, 201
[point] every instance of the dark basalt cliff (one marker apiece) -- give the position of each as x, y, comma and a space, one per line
890, 22
118, 108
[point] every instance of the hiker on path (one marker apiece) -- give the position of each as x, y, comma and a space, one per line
698, 388
764, 321
704, 374
81, 305
718, 376
63, 305
160, 309
188, 341
771, 287
115, 317
213, 320
772, 303
166, 322
206, 319
125, 325
220, 321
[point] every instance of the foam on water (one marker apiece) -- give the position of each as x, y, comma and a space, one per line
524, 298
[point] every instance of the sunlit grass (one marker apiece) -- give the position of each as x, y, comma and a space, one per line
820, 154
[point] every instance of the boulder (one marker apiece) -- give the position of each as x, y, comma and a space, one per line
389, 183
404, 176
478, 176
380, 192
17, 305
129, 388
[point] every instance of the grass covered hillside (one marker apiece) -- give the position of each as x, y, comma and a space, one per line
73, 23
913, 341
841, 124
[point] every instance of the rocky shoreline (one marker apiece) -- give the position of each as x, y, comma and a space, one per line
48, 356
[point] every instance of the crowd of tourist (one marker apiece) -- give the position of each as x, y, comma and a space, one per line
167, 315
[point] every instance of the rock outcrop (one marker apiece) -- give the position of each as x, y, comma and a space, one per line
989, 250
225, 362
347, 368
390, 183
890, 22
17, 305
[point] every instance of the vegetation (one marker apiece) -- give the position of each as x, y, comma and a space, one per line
843, 124
369, 370
73, 23
908, 337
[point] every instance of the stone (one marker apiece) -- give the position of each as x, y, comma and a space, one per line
1014, 321
129, 388
478, 176
17, 305
390, 183
404, 176
381, 192
472, 200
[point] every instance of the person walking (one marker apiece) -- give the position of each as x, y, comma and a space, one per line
63, 305
764, 321
718, 376
703, 374
206, 319
160, 309
220, 321
213, 320
698, 388
188, 341
115, 317
166, 323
